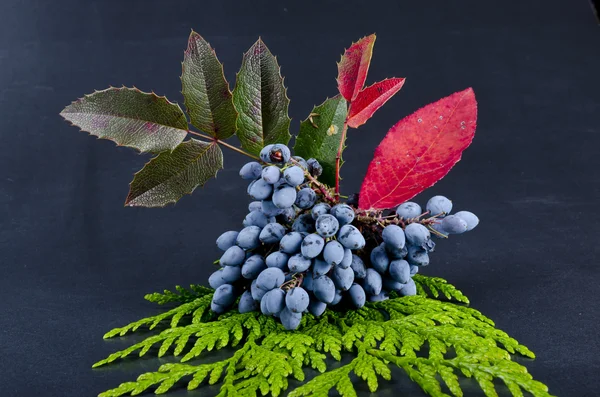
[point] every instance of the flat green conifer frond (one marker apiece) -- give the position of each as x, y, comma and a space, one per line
181, 294
433, 341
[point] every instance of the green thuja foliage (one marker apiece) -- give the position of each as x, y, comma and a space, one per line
432, 341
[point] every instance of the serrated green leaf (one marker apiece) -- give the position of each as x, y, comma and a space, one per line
320, 138
170, 175
207, 97
261, 101
130, 117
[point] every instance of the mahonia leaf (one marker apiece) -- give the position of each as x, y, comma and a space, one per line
419, 151
261, 100
353, 67
320, 137
130, 117
170, 175
371, 99
207, 97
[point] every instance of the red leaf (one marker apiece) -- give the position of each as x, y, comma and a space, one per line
372, 98
353, 67
419, 151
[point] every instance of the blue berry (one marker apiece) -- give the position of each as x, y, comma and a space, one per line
333, 253
297, 300
275, 300
327, 225
272, 233
248, 238
321, 267
224, 295
304, 223
417, 234
251, 170
373, 282
231, 274
320, 209
279, 154
289, 319
400, 271
342, 278
270, 278
439, 205
247, 303
409, 288
357, 296
291, 243
393, 236
358, 266
253, 266
316, 307
277, 259
265, 153
350, 237
470, 218
324, 289
305, 198
256, 218
270, 209
298, 263
417, 256
284, 197
379, 259
454, 225
312, 245
409, 210
294, 175
344, 213
314, 167
227, 240
347, 260
234, 256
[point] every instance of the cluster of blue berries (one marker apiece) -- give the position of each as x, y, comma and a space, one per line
298, 252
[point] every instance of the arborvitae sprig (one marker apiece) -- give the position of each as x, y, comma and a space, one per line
431, 340
198, 307
181, 295
435, 285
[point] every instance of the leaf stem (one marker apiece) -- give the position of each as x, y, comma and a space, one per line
227, 145
338, 157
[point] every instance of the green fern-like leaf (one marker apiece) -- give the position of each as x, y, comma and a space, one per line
198, 307
182, 295
435, 342
437, 285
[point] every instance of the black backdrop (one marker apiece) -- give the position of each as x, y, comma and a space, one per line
75, 262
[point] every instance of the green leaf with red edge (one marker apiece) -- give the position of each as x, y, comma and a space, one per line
419, 151
130, 117
371, 99
320, 138
205, 90
353, 67
261, 101
170, 175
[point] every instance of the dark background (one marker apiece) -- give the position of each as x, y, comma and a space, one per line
76, 263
